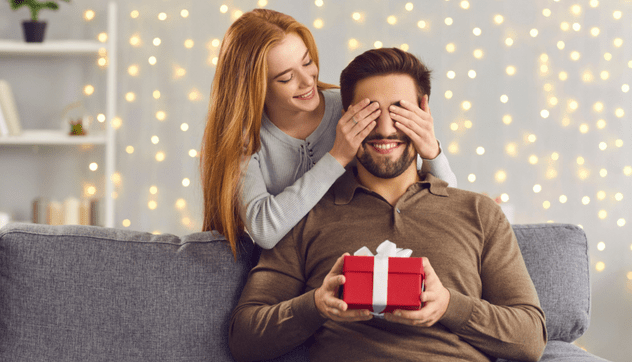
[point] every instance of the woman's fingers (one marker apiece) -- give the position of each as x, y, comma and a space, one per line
361, 114
353, 127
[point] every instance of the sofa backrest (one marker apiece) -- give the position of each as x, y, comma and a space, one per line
556, 256
81, 293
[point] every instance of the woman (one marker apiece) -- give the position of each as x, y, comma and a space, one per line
275, 140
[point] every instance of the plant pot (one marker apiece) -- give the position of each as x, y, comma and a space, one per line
34, 31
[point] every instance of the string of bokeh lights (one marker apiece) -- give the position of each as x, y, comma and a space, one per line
550, 73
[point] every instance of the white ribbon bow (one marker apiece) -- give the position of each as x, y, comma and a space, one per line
385, 250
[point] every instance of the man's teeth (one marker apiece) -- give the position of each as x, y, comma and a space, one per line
384, 146
307, 95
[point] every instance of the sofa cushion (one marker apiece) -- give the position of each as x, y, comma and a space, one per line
81, 293
556, 256
560, 351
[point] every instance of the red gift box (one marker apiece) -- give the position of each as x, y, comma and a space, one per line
404, 286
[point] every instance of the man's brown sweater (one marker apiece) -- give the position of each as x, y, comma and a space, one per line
493, 312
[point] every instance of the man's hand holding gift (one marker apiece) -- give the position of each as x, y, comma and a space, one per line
328, 303
435, 299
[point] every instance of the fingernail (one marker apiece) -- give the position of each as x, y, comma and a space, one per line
397, 313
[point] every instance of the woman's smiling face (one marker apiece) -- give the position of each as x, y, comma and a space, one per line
292, 77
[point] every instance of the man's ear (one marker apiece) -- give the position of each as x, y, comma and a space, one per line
420, 100
424, 104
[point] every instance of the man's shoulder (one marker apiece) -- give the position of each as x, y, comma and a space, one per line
470, 199
477, 205
466, 194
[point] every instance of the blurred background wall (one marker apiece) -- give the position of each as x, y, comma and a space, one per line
531, 102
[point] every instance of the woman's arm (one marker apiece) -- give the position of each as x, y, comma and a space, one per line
269, 217
439, 167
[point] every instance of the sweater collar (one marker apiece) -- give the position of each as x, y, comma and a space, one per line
346, 186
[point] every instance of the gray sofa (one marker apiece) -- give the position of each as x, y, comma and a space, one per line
82, 293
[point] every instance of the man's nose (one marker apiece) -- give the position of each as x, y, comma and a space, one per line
385, 124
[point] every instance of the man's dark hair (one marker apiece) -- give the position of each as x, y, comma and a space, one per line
383, 61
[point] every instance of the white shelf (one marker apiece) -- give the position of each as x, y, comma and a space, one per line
106, 140
52, 137
53, 47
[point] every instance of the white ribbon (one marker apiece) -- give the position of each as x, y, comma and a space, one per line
385, 250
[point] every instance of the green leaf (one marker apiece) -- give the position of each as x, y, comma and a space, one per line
16, 4
51, 5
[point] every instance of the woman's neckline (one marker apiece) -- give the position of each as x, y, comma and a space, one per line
316, 119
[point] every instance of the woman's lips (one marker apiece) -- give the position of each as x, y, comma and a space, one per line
306, 96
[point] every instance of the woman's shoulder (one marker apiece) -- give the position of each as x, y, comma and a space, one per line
333, 102
332, 94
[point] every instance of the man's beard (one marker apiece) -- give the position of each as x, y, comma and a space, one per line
387, 168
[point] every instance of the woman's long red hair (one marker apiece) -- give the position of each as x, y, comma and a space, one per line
236, 106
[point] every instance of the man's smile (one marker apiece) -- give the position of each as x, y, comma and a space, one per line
384, 147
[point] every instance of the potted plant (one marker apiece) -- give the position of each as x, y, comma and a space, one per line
34, 29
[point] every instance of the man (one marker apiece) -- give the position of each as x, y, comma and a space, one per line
479, 301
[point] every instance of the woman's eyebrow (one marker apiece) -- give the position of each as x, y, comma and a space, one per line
287, 70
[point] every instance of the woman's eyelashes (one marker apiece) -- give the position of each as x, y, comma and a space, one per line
292, 76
